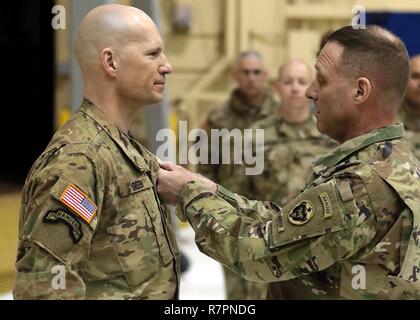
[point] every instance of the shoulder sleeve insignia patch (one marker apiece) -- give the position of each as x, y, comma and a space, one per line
301, 213
316, 211
78, 202
74, 225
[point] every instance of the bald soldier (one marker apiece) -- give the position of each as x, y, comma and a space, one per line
410, 110
91, 224
353, 232
249, 102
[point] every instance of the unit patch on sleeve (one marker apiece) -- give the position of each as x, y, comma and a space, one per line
62, 216
78, 202
301, 213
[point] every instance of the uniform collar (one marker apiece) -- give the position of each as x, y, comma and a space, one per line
120, 138
238, 104
356, 144
303, 130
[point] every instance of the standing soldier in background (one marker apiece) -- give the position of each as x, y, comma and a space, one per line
409, 112
291, 139
91, 224
248, 103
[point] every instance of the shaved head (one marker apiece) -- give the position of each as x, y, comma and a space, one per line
110, 25
415, 59
413, 89
294, 64
293, 79
120, 53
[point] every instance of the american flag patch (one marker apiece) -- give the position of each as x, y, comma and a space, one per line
78, 202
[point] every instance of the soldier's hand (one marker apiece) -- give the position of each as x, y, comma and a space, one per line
172, 178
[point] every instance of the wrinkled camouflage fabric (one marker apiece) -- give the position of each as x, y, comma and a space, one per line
127, 251
353, 233
289, 150
412, 128
236, 114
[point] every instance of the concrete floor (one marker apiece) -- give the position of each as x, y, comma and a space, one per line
202, 281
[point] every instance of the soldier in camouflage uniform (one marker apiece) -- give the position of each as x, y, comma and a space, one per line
91, 224
291, 140
248, 103
353, 232
410, 110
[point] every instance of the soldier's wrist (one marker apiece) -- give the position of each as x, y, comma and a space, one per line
192, 190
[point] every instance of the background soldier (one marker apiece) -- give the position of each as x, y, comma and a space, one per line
89, 203
358, 218
410, 111
249, 102
291, 139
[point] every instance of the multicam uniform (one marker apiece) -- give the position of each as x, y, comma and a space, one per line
89, 206
354, 232
289, 150
236, 114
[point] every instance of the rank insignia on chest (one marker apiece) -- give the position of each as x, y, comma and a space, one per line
78, 202
301, 213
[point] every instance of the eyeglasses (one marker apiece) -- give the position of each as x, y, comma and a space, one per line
247, 72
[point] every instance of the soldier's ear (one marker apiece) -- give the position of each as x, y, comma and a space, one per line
362, 90
109, 62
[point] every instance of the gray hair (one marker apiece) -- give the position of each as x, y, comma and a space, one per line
247, 54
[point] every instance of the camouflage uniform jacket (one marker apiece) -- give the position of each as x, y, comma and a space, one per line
234, 114
289, 150
352, 233
412, 128
89, 206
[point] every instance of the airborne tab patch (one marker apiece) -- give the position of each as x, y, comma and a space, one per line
76, 200
301, 213
74, 225
326, 202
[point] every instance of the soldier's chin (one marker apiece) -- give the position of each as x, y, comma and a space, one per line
156, 98
319, 124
